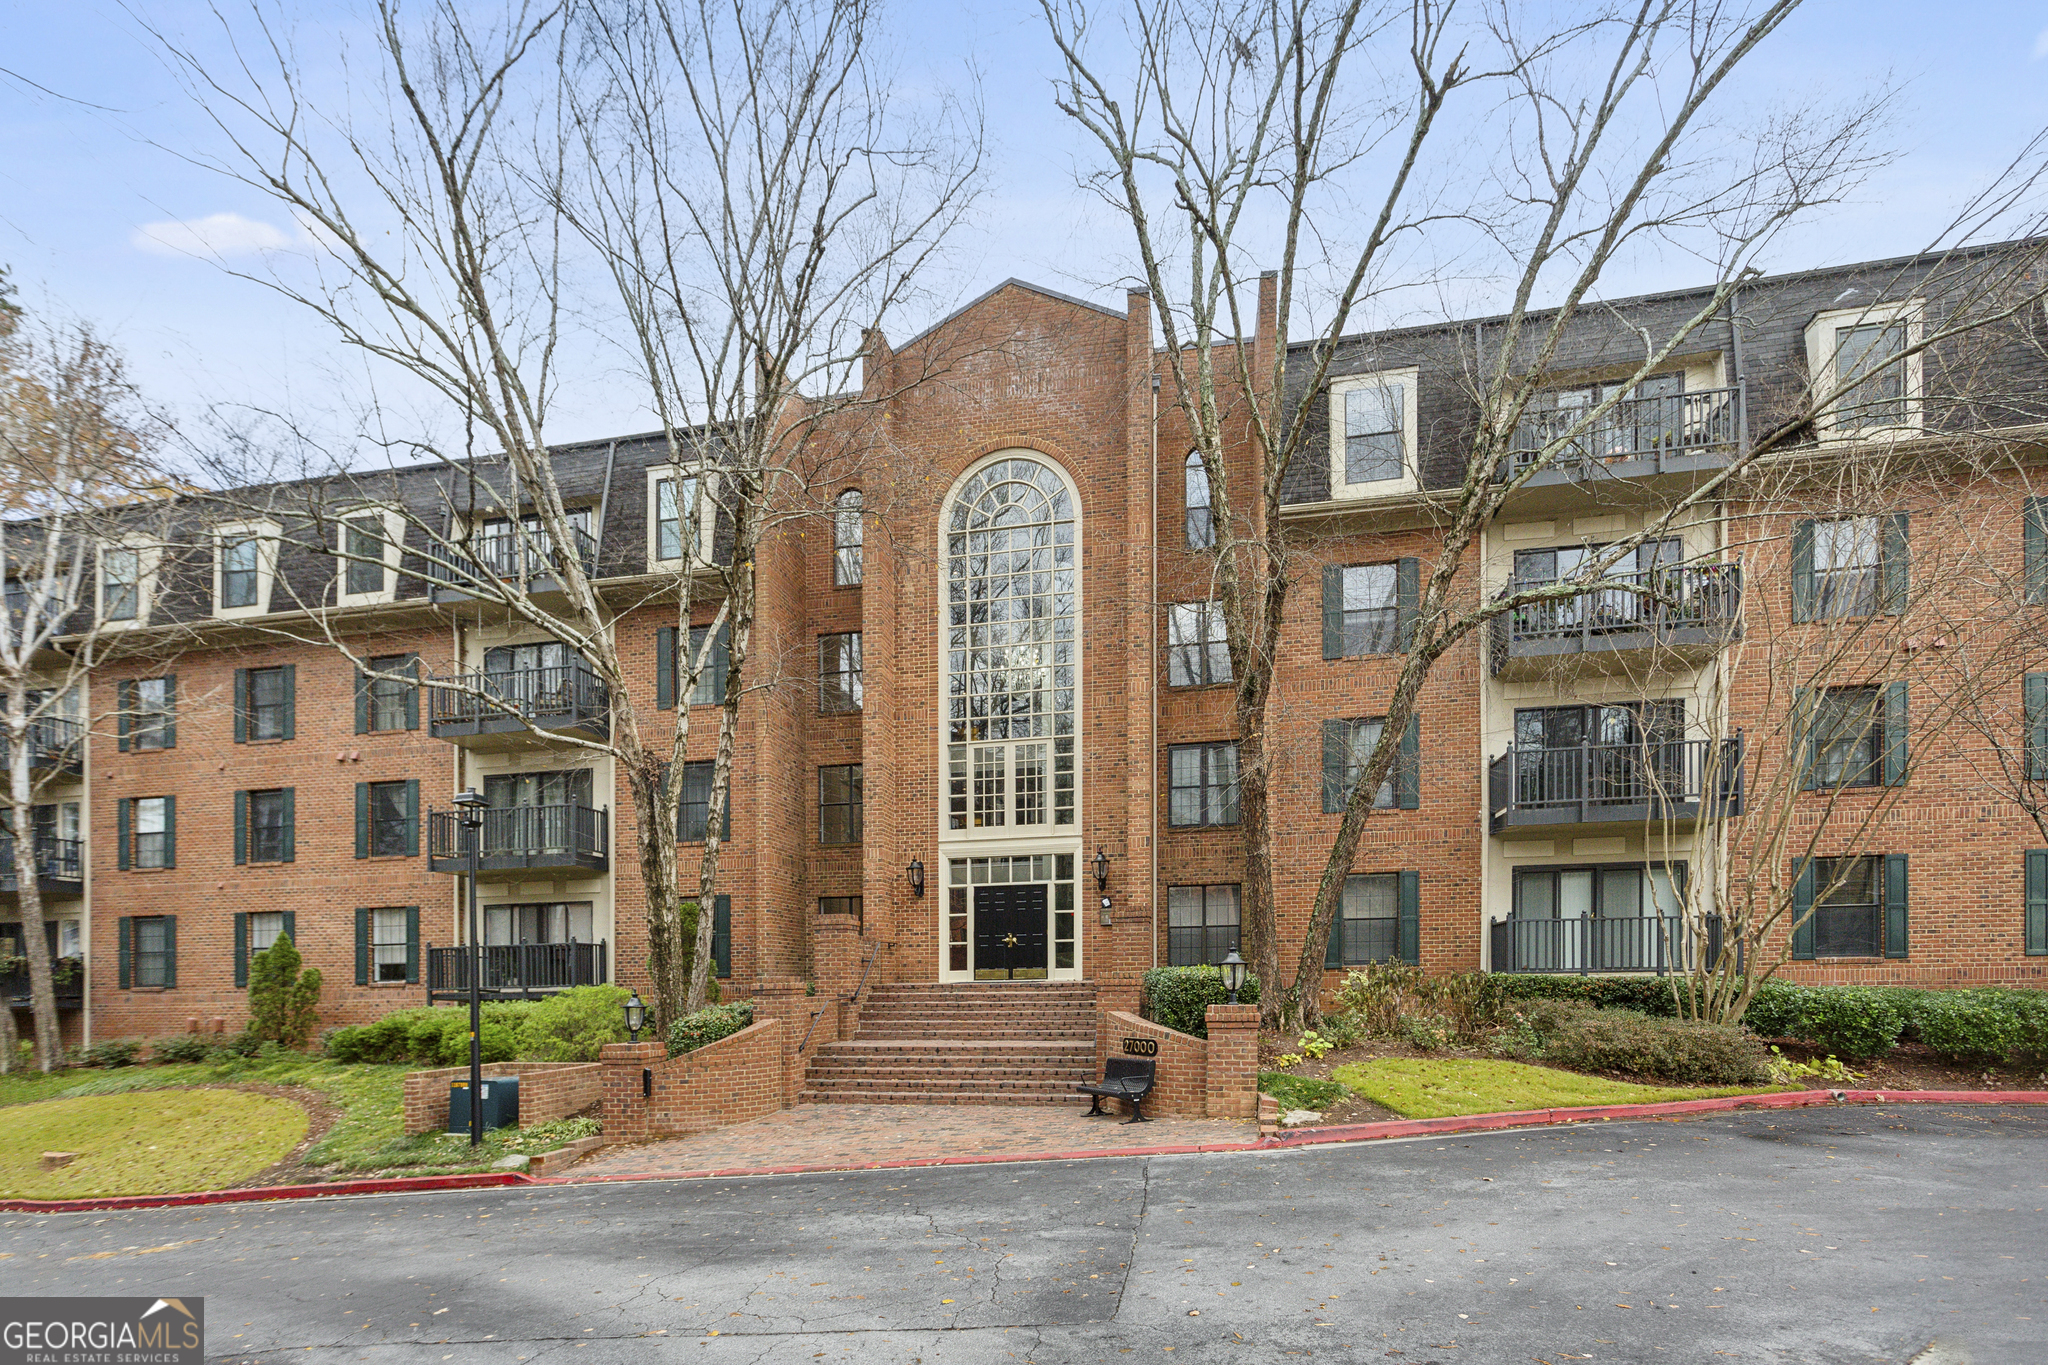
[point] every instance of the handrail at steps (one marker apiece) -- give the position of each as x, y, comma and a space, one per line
873, 953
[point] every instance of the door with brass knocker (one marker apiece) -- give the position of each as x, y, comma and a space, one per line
1010, 933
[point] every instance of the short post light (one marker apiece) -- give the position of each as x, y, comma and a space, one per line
636, 1015
1233, 973
915, 872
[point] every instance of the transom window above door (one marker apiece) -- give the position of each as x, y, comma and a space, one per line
1011, 663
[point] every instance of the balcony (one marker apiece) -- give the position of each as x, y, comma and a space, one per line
60, 867
1590, 944
55, 745
1615, 784
516, 970
1679, 614
69, 986
506, 556
504, 709
522, 839
1638, 437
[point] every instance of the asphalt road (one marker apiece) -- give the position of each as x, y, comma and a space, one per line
1867, 1234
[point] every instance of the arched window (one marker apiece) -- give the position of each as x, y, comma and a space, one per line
1201, 529
1012, 618
846, 538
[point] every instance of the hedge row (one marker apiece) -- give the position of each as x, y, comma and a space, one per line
1179, 997
569, 1026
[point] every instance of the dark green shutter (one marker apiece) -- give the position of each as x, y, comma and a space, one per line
1894, 561
124, 703
1895, 749
1894, 905
362, 702
2035, 535
291, 694
1805, 749
2037, 902
1336, 743
412, 691
362, 947
1333, 611
1802, 913
291, 824
412, 817
362, 819
123, 821
170, 952
721, 935
665, 668
241, 706
1408, 767
125, 952
1802, 571
412, 945
1407, 594
1333, 955
1408, 932
170, 831
241, 828
2034, 695
168, 735
241, 948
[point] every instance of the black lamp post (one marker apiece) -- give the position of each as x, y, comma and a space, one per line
471, 806
636, 1015
1233, 973
916, 874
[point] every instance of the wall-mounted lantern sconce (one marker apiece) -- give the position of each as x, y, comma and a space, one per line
1101, 865
916, 874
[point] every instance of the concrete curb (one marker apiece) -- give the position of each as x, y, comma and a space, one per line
1298, 1137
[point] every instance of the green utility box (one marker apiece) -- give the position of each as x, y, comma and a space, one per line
501, 1104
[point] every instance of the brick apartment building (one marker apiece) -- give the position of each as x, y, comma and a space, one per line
234, 783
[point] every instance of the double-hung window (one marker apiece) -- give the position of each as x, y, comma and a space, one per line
1201, 784
693, 807
269, 702
710, 688
1848, 907
1845, 567
1201, 924
847, 536
839, 673
390, 819
153, 950
1871, 376
675, 516
363, 572
1197, 645
151, 713
1371, 609
266, 927
389, 702
1374, 424
390, 944
152, 816
1201, 526
270, 825
1356, 740
120, 584
1847, 743
238, 571
1368, 921
839, 804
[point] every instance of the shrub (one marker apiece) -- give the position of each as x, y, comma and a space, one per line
234, 1047
1179, 997
1644, 994
1341, 1029
1670, 1049
1394, 999
1849, 1021
572, 1025
284, 1002
112, 1053
708, 1025
429, 1036
1774, 1010
1972, 1026
185, 1047
1911, 1005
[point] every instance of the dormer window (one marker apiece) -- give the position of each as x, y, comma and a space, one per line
244, 566
120, 584
238, 571
681, 517
1865, 384
1372, 419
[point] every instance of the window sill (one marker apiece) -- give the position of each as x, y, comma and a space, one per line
150, 869
388, 985
1201, 687
147, 990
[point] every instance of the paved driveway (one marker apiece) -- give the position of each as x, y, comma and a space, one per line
1811, 1236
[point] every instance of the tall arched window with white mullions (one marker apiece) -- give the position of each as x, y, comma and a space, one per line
1012, 618
846, 540
1201, 526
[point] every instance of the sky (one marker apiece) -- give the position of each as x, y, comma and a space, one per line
101, 195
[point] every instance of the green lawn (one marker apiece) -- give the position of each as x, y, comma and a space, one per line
145, 1142
1422, 1088
368, 1137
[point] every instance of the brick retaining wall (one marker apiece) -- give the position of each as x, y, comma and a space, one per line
730, 1081
547, 1091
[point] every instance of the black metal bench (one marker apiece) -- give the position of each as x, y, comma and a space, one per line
1123, 1078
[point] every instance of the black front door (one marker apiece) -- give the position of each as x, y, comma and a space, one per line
1009, 933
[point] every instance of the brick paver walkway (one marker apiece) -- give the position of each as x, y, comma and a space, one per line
858, 1134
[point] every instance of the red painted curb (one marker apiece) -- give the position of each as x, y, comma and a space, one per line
389, 1185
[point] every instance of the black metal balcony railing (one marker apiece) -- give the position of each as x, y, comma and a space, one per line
1594, 943
549, 698
68, 985
510, 555
520, 969
1674, 605
1662, 429
57, 860
54, 742
517, 837
1592, 783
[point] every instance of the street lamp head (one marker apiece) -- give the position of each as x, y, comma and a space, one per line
1234, 969
636, 1015
471, 804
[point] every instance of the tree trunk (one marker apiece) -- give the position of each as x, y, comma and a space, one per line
10, 1044
1258, 915
742, 621
667, 959
42, 990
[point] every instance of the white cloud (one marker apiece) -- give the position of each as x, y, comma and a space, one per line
2041, 44
217, 234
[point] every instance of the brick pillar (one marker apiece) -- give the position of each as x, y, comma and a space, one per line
625, 1104
787, 999
1233, 1061
835, 956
